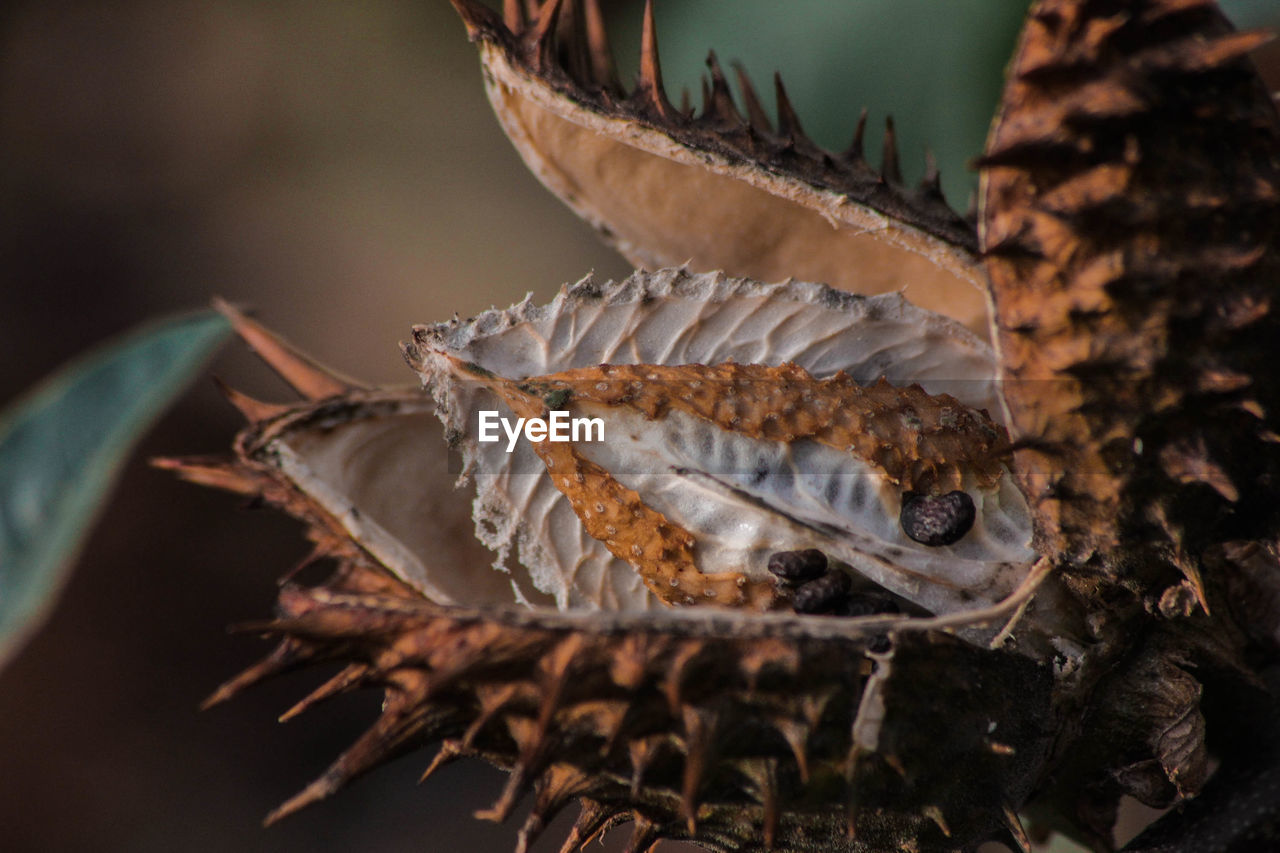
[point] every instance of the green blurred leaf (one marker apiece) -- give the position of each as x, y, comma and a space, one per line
63, 444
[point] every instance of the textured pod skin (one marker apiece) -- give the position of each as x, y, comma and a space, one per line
1131, 229
671, 318
1129, 220
1134, 271
729, 738
918, 440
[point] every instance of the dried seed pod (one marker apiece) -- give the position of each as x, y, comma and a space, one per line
532, 679
1130, 219
1133, 267
667, 489
706, 470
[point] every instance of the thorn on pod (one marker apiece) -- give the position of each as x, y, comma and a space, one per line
854, 153
890, 167
756, 115
649, 91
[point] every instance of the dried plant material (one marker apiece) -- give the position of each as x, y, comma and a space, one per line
413, 604
919, 624
1119, 233
903, 437
699, 474
539, 698
719, 190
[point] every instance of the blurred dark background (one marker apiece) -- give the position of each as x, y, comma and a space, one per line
334, 165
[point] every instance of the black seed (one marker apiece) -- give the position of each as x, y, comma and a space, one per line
827, 594
798, 566
869, 604
937, 519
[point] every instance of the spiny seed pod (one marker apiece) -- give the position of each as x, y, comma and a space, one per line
1048, 578
715, 178
560, 668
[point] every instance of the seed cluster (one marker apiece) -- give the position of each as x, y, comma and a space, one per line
823, 589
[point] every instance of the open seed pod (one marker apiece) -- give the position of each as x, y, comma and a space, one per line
822, 571
567, 653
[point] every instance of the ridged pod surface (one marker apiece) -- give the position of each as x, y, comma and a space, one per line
671, 318
1130, 225
1107, 627
1131, 215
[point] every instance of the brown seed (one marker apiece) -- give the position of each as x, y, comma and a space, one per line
936, 520
827, 594
869, 604
798, 566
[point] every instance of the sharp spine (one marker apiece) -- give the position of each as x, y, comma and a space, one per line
756, 114
1016, 834
573, 44
254, 411
449, 752
855, 153
890, 167
788, 122
644, 835
541, 36
305, 376
603, 69
699, 728
340, 683
591, 819
931, 183
513, 16
720, 105
649, 91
